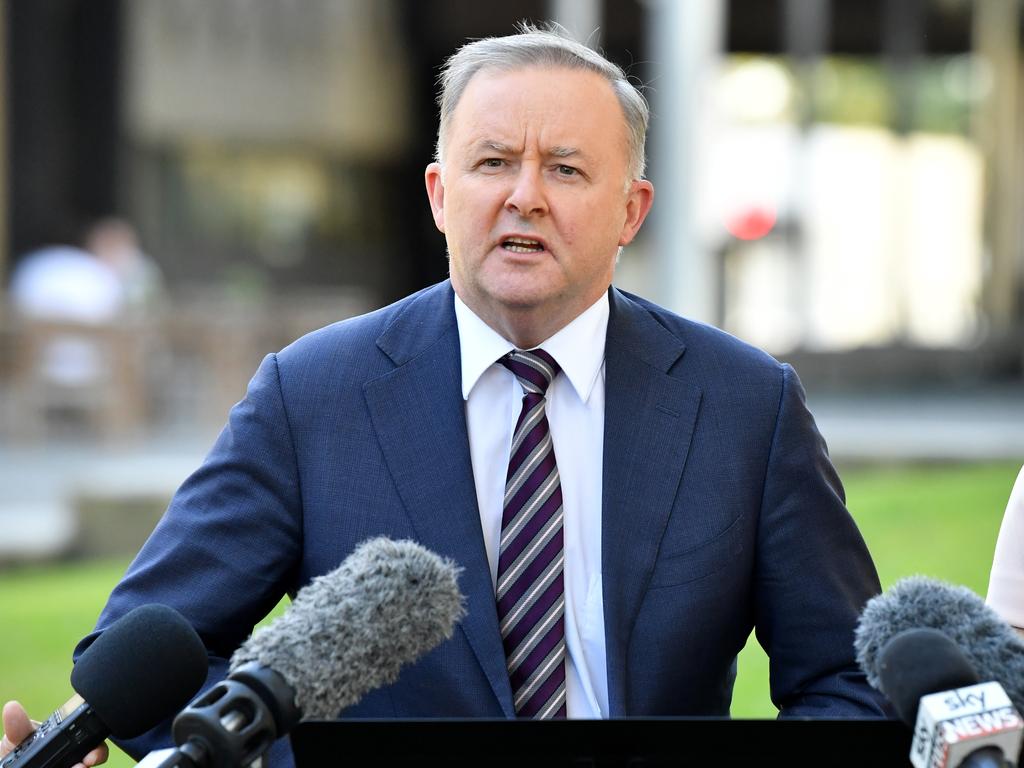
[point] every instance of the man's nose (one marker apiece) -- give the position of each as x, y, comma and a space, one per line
527, 197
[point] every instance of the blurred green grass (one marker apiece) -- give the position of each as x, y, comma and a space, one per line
938, 519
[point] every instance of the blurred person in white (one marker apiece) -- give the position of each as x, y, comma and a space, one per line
65, 295
65, 282
68, 286
89, 283
1006, 582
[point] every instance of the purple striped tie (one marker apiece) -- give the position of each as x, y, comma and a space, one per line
530, 591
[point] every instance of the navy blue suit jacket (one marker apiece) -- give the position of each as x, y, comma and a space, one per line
721, 513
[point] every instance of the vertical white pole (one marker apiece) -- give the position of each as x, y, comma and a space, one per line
686, 43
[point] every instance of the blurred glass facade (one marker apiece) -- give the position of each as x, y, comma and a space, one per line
848, 232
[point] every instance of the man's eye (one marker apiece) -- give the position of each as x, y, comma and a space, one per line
567, 170
493, 162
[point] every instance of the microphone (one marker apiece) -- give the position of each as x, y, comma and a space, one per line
346, 633
957, 720
140, 671
991, 646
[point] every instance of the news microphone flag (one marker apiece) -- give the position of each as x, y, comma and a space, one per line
951, 725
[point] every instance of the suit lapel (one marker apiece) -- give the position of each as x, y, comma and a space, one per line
419, 416
649, 421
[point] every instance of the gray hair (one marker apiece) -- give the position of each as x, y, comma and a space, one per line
532, 46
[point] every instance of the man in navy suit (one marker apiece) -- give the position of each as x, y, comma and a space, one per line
695, 498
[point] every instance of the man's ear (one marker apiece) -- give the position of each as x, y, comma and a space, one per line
435, 193
638, 205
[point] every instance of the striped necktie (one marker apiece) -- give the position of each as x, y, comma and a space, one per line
530, 590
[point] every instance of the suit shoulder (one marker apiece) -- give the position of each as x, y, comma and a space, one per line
353, 337
712, 346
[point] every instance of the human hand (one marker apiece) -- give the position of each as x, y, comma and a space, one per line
18, 727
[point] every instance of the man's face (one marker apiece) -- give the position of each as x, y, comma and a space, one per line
533, 196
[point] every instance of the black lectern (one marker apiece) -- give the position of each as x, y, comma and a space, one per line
629, 742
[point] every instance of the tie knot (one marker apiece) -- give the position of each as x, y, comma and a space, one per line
534, 369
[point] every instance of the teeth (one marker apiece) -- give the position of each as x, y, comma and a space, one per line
522, 245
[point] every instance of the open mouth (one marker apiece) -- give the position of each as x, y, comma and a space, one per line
522, 245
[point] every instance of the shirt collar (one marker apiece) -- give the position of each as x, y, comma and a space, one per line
578, 347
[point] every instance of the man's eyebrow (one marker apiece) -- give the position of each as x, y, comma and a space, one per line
494, 146
501, 148
564, 152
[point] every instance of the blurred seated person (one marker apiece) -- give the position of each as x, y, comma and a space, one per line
65, 299
89, 283
1006, 582
65, 282
63, 285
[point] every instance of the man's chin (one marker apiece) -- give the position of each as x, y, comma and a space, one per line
524, 302
521, 295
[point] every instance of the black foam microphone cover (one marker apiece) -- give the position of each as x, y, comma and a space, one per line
142, 669
918, 662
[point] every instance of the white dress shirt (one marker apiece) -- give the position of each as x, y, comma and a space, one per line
575, 411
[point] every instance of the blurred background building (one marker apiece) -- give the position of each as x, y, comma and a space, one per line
838, 181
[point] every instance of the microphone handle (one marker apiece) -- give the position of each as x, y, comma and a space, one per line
62, 740
189, 755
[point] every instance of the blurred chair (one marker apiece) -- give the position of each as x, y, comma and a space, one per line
75, 379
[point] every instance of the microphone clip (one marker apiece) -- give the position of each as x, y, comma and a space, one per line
235, 722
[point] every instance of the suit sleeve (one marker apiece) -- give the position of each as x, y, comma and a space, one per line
227, 548
814, 574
